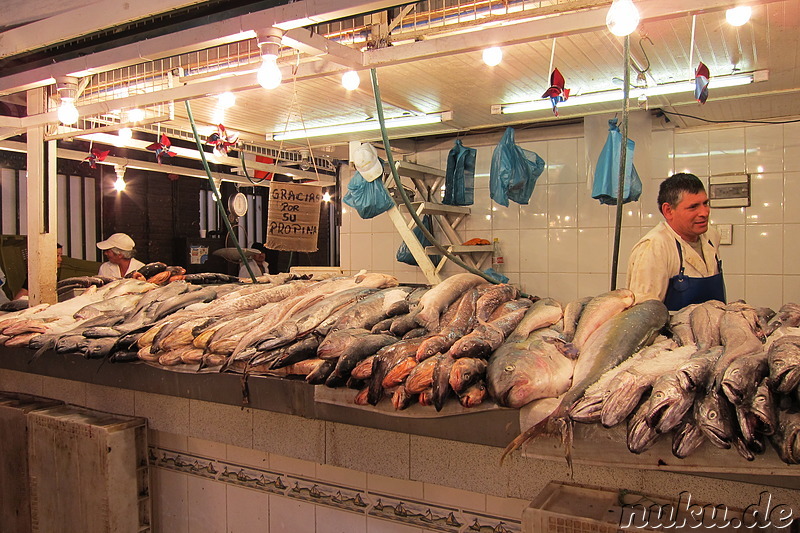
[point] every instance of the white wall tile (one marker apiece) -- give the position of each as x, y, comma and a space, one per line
734, 256
533, 250
661, 161
791, 250
170, 503
562, 250
791, 147
207, 504
591, 213
764, 145
248, 510
510, 247
247, 457
593, 250
728, 215
169, 441
562, 205
562, 158
480, 219
691, 152
345, 247
337, 521
766, 206
291, 516
594, 284
581, 161
726, 151
563, 287
764, 249
534, 214
483, 161
791, 289
791, 197
505, 218
535, 283
383, 252
764, 291
734, 287
206, 448
290, 465
361, 252
404, 488
341, 476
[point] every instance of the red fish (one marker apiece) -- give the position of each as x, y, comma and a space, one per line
162, 148
96, 155
701, 77
556, 93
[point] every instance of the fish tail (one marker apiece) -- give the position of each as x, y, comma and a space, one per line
48, 345
567, 437
530, 433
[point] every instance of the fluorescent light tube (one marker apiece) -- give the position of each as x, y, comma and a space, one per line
367, 125
616, 94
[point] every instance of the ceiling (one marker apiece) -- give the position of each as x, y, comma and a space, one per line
426, 58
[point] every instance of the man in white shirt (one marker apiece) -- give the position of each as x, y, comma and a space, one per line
119, 250
678, 262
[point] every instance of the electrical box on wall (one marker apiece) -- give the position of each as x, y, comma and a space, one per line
729, 190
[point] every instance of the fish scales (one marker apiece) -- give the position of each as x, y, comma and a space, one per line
787, 316
598, 311
486, 337
436, 300
681, 327
704, 321
493, 298
459, 326
572, 314
541, 314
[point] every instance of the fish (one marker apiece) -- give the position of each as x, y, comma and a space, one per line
524, 371
641, 436
696, 372
434, 302
71, 343
493, 298
740, 379
459, 326
363, 370
541, 314
169, 306
681, 327
386, 358
687, 438
383, 326
737, 329
305, 348
784, 364
398, 373
20, 340
368, 311
320, 373
99, 348
441, 381
487, 337
572, 314
351, 349
401, 399
668, 403
786, 438
421, 376
465, 372
714, 416
763, 408
598, 311
704, 321
787, 316
614, 341
473, 395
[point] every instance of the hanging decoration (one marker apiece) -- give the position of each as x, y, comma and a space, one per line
96, 155
701, 77
222, 141
556, 93
162, 148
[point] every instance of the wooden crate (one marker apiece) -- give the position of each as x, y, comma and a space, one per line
15, 508
88, 471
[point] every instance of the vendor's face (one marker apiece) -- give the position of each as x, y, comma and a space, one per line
689, 218
113, 257
59, 257
260, 257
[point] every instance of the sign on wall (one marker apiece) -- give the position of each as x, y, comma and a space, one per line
293, 218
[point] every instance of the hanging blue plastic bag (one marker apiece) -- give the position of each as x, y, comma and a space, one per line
514, 171
404, 255
496, 275
459, 181
606, 175
369, 198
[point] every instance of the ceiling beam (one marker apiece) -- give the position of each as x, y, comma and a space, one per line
319, 47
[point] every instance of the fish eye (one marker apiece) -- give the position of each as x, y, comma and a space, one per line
509, 368
712, 415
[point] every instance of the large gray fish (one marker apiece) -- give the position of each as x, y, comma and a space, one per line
715, 418
764, 408
704, 321
524, 371
784, 363
169, 306
738, 333
687, 438
788, 316
681, 327
460, 325
119, 304
493, 298
572, 314
434, 302
541, 314
441, 380
368, 311
617, 339
598, 311
349, 348
786, 438
740, 379
300, 350
99, 348
640, 435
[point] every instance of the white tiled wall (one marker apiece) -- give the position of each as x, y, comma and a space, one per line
561, 243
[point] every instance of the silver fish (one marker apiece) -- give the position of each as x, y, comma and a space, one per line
435, 301
687, 438
784, 363
704, 321
788, 315
598, 311
640, 435
681, 327
740, 379
572, 314
714, 416
786, 438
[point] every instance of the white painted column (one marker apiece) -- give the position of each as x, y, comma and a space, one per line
42, 216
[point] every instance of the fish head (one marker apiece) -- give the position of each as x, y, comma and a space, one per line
713, 417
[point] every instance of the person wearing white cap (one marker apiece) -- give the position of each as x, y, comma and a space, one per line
119, 250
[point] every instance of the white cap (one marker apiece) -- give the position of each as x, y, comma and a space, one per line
367, 163
118, 240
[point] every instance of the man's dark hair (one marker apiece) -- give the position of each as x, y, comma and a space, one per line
673, 187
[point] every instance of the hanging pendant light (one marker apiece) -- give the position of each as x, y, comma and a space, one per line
622, 17
269, 43
493, 56
737, 16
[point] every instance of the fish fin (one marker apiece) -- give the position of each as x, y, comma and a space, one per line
529, 434
48, 345
567, 437
567, 349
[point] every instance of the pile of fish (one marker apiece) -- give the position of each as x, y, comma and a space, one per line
728, 374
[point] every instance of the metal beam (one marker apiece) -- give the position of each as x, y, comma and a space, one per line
318, 46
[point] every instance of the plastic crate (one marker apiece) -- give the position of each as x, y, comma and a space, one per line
572, 508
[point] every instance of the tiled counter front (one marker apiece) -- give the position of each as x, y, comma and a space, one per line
221, 467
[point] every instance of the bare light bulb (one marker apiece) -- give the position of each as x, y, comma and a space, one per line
622, 18
305, 161
326, 196
736, 16
226, 100
67, 112
493, 56
119, 185
125, 134
350, 80
269, 75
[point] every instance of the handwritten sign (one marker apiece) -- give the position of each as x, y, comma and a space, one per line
293, 218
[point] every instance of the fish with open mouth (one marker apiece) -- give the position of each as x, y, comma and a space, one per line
787, 316
784, 364
740, 379
687, 438
715, 418
786, 438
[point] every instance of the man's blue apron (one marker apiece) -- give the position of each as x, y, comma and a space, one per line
683, 290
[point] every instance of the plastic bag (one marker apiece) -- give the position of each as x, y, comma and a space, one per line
459, 181
606, 174
404, 255
369, 198
496, 275
514, 171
